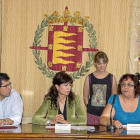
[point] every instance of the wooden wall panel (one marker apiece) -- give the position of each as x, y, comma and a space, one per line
20, 19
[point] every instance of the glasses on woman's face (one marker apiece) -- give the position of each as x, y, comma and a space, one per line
128, 85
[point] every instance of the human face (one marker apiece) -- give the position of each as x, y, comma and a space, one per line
127, 87
101, 66
64, 89
5, 91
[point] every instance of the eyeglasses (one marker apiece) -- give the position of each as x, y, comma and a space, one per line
129, 85
6, 86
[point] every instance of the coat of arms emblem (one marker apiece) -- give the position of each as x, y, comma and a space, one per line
65, 44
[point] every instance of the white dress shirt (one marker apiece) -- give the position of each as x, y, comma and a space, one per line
12, 107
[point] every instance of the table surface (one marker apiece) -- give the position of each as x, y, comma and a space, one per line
29, 131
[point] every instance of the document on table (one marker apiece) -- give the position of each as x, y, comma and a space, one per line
8, 127
89, 128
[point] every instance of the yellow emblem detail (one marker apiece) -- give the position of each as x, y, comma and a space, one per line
65, 28
80, 29
79, 48
50, 64
78, 65
50, 46
64, 68
51, 28
66, 13
57, 46
55, 14
66, 18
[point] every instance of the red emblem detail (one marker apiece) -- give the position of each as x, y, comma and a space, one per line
65, 47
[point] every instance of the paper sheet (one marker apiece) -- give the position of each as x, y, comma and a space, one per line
89, 128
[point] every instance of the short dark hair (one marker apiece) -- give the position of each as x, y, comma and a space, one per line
100, 55
134, 78
3, 77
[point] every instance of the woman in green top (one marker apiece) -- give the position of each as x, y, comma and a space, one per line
60, 105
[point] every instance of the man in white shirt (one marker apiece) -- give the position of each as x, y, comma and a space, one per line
11, 105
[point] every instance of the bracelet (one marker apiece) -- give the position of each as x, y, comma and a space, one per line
7, 121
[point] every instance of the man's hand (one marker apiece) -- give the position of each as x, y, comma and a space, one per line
1, 121
6, 121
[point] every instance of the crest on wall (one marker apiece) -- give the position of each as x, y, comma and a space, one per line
65, 44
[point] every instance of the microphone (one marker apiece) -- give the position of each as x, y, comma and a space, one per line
111, 127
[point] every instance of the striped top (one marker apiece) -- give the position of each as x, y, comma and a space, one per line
122, 116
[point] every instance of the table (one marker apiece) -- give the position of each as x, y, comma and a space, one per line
29, 131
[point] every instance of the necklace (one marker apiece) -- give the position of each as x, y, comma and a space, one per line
62, 102
61, 106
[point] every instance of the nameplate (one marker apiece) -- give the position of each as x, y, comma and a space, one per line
134, 132
133, 126
62, 128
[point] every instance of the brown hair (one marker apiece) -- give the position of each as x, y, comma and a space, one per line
134, 78
100, 55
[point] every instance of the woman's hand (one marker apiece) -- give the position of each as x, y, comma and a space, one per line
117, 124
59, 118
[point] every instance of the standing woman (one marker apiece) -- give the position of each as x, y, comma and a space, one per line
98, 87
60, 105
